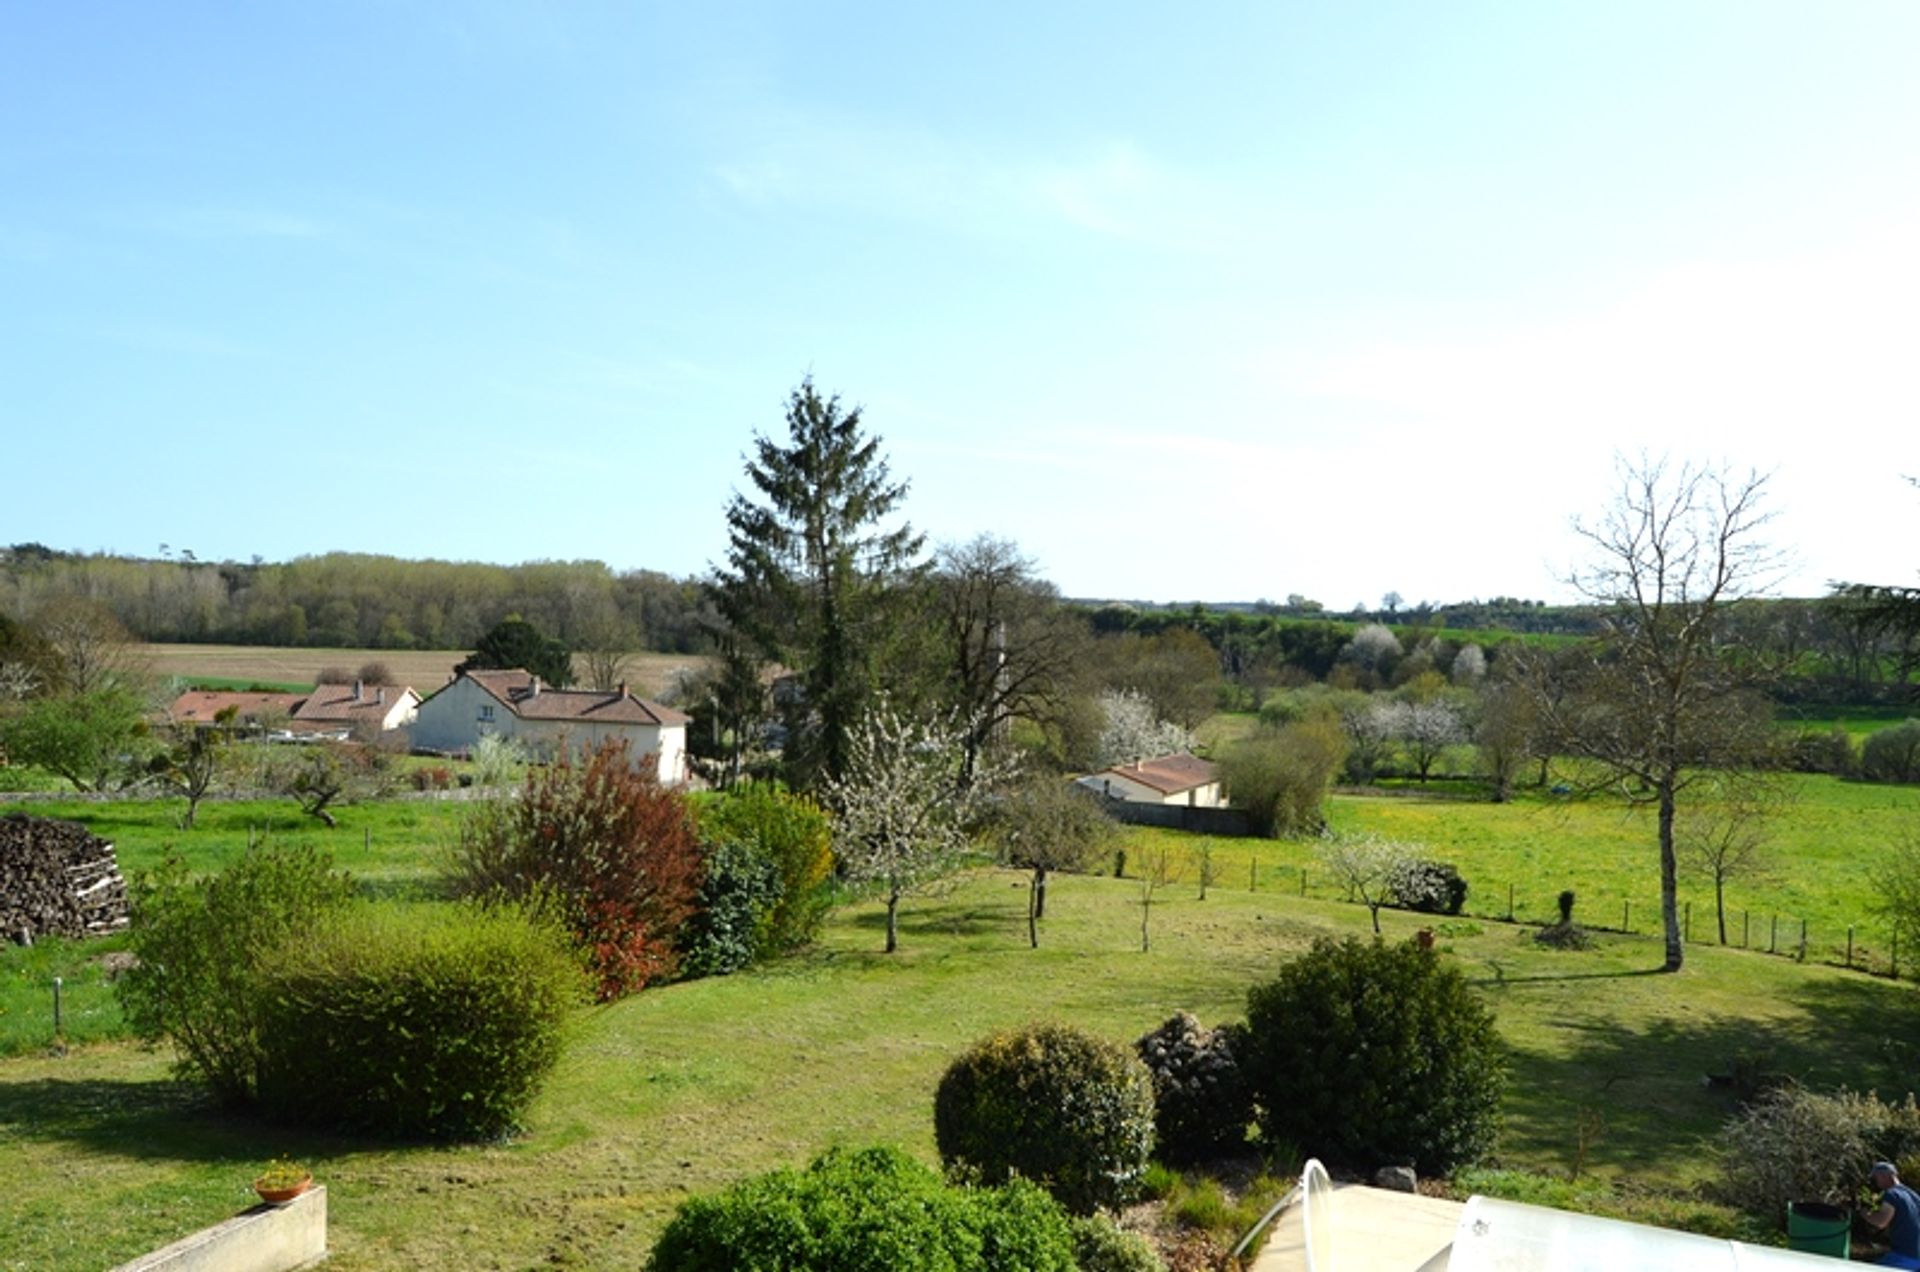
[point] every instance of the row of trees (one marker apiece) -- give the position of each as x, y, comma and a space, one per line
362, 601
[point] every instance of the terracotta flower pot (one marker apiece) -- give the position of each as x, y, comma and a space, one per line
281, 1196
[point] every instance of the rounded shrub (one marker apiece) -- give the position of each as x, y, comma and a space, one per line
792, 833
1069, 1111
1370, 1054
870, 1210
416, 1021
202, 944
1202, 1105
1892, 755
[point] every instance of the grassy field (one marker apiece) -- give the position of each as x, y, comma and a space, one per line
685, 1088
237, 666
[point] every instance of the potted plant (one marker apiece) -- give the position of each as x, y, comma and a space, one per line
282, 1181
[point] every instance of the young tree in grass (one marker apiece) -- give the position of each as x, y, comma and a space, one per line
1048, 825
1161, 865
190, 761
1727, 838
903, 807
1670, 690
1368, 867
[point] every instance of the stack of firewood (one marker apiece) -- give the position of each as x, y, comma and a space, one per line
57, 879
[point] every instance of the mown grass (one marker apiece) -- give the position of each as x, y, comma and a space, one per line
686, 1088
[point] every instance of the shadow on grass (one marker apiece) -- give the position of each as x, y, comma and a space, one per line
945, 921
1500, 977
166, 1119
1641, 1100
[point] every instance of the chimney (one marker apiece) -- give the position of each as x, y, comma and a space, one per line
535, 691
380, 697
621, 689
356, 690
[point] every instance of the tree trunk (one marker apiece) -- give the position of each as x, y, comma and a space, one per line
1033, 912
1669, 876
1146, 912
1720, 903
1039, 892
893, 921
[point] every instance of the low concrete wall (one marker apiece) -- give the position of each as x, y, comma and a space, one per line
264, 1239
1205, 821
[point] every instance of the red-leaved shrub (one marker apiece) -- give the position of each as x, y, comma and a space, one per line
605, 842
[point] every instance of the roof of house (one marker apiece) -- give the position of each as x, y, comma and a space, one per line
523, 694
1168, 774
200, 706
343, 704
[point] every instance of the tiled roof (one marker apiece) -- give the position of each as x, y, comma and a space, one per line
199, 706
524, 695
343, 704
1169, 774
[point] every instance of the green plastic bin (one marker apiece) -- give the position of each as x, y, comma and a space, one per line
1814, 1227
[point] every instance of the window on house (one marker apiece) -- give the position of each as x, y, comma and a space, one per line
486, 712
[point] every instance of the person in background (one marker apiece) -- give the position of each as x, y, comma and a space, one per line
1897, 1215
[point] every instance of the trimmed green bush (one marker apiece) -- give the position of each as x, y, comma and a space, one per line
871, 1210
1201, 1102
430, 1021
1069, 1111
202, 944
1369, 1055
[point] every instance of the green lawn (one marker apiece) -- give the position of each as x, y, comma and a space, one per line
685, 1088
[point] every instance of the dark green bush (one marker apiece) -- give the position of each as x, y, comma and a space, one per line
1071, 1112
737, 898
1431, 887
419, 1021
1099, 1245
202, 944
872, 1210
1202, 1105
1374, 1055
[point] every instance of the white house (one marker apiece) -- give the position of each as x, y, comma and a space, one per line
514, 704
1168, 779
337, 708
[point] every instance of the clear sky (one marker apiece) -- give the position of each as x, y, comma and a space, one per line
1190, 301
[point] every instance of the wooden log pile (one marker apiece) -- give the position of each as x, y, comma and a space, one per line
57, 879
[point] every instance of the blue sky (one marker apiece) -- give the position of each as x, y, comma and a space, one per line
1192, 302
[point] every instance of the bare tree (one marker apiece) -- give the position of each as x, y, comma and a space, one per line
1668, 692
1009, 647
1727, 838
90, 648
1160, 866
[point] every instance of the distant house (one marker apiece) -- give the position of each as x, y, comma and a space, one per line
340, 709
514, 704
1169, 779
251, 711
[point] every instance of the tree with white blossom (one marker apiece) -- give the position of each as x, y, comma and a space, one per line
904, 807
